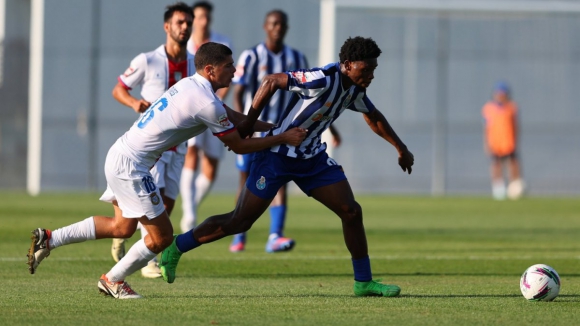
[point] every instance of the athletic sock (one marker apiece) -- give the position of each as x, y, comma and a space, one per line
143, 235
202, 187
74, 233
186, 242
498, 189
188, 205
362, 269
240, 237
136, 258
277, 218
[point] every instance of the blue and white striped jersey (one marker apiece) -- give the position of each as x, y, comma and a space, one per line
317, 99
254, 64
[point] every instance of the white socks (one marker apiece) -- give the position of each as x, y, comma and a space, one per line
202, 187
187, 189
498, 189
143, 235
136, 258
515, 189
78, 232
192, 193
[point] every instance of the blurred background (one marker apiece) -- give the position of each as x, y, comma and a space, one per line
440, 62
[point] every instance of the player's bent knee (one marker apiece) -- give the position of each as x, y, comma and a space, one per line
351, 212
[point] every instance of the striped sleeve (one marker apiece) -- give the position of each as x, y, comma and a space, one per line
307, 83
244, 68
362, 104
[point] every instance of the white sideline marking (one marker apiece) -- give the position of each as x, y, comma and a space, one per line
309, 258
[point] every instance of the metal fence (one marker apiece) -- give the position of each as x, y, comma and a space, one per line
435, 73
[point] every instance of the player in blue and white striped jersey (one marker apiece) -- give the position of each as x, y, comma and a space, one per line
319, 96
268, 57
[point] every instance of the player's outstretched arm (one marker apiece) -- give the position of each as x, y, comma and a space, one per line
379, 124
233, 141
270, 84
237, 117
121, 94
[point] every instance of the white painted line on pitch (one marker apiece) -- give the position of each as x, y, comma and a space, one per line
310, 258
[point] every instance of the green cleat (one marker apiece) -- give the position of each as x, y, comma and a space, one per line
374, 288
169, 259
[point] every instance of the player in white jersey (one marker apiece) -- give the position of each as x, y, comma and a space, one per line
155, 72
319, 96
203, 151
184, 111
268, 57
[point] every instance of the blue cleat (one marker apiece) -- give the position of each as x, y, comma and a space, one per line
279, 244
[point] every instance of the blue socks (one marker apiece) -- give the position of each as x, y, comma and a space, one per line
277, 218
362, 269
185, 242
240, 237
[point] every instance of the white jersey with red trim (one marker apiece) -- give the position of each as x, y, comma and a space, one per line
150, 70
184, 111
213, 37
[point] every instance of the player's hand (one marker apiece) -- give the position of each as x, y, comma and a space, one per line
245, 129
141, 106
406, 160
294, 136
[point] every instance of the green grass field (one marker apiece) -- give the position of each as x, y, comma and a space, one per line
457, 260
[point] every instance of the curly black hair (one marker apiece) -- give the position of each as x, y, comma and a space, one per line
358, 49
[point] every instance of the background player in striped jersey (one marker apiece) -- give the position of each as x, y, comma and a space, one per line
271, 56
155, 72
204, 150
185, 110
319, 96
501, 140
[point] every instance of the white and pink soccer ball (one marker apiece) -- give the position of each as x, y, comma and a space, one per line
540, 283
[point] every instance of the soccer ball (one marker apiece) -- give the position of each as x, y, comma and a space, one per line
540, 283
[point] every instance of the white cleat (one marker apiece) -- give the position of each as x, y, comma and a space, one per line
117, 290
38, 248
151, 270
118, 249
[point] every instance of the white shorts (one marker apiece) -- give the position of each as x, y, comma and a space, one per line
208, 143
167, 172
132, 186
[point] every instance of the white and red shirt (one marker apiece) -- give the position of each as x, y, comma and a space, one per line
184, 111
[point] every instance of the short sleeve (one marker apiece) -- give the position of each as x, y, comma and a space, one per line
215, 117
244, 70
362, 103
135, 74
307, 83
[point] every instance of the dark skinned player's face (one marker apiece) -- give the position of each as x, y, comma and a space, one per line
361, 73
276, 27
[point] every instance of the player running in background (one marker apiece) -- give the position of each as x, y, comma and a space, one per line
195, 188
184, 111
501, 140
319, 96
155, 72
271, 56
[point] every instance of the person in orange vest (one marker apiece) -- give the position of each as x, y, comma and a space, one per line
501, 142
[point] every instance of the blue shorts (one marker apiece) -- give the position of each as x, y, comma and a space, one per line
244, 161
269, 171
